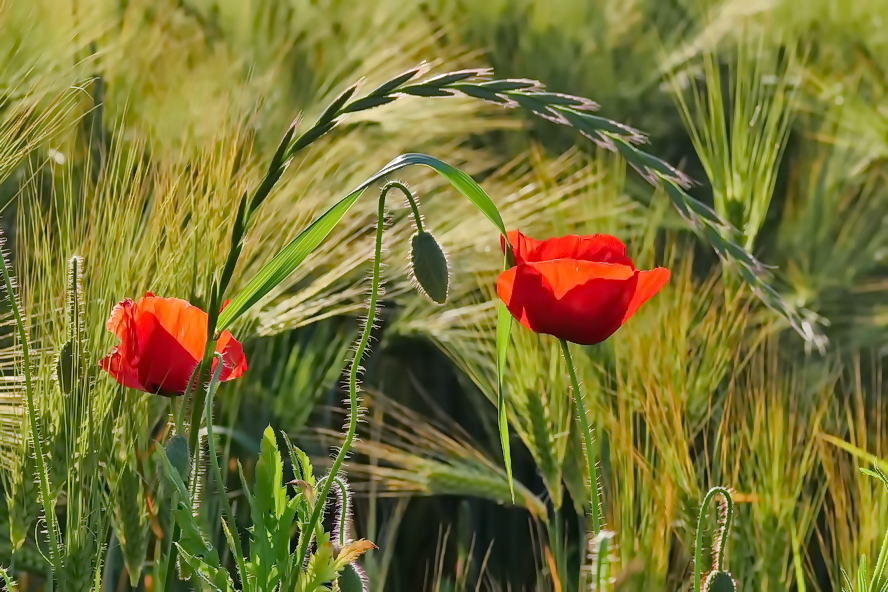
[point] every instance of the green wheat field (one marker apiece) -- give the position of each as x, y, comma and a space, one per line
260, 151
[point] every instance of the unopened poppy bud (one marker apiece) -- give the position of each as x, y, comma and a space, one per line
179, 456
430, 268
353, 579
719, 581
65, 368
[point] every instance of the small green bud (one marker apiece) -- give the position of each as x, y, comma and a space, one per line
352, 579
719, 581
65, 367
180, 456
430, 268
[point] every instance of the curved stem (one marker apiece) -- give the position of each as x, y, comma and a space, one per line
591, 460
344, 510
411, 199
48, 508
721, 539
321, 499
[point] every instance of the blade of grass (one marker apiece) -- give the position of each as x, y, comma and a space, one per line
42, 474
288, 259
855, 451
503, 331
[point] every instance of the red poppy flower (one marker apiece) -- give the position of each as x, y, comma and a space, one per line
578, 288
161, 342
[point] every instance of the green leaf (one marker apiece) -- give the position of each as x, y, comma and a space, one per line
238, 558
271, 496
284, 263
268, 503
282, 540
878, 474
190, 538
460, 181
261, 546
217, 578
301, 463
503, 331
171, 476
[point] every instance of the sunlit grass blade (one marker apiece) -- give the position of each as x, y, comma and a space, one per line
412, 454
286, 261
855, 451
47, 499
503, 332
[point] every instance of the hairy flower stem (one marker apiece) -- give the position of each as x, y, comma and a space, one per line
354, 369
48, 507
719, 541
214, 463
591, 459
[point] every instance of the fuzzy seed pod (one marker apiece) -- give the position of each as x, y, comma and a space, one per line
429, 267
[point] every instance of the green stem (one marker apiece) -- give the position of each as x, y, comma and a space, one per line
320, 500
342, 526
48, 507
591, 459
719, 553
411, 199
169, 560
217, 470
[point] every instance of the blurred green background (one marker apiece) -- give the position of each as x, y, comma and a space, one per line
130, 128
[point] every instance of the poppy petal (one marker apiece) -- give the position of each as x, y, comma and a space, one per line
601, 248
119, 315
649, 283
580, 301
185, 322
164, 364
161, 343
115, 364
234, 362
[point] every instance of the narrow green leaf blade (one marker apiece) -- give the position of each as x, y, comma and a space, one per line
859, 453
460, 181
503, 331
269, 490
285, 262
